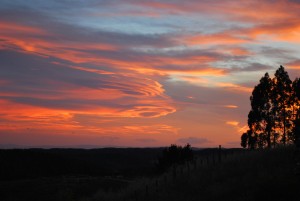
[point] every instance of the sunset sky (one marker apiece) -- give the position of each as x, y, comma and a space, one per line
138, 73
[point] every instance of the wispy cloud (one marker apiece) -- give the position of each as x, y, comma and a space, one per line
97, 68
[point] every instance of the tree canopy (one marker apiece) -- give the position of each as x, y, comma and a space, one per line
274, 111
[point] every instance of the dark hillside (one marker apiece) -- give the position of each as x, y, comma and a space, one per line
253, 176
130, 174
241, 176
19, 164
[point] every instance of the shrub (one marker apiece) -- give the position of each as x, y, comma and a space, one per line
175, 155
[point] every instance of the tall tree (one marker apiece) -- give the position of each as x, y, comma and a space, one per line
294, 136
282, 104
261, 116
275, 112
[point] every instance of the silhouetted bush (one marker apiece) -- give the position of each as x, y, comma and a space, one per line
175, 155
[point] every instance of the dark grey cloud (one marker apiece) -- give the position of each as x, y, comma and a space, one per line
68, 104
252, 67
278, 55
33, 72
60, 31
275, 52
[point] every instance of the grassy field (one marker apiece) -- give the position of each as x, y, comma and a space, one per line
240, 175
71, 174
244, 176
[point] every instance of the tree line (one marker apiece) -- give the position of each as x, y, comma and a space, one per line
274, 115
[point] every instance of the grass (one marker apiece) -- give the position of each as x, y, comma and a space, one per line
57, 188
250, 176
242, 175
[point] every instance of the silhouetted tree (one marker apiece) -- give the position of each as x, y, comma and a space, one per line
261, 116
261, 140
275, 106
252, 139
244, 140
295, 134
282, 104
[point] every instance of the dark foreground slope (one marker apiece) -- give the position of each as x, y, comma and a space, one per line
128, 174
266, 175
251, 176
70, 174
19, 164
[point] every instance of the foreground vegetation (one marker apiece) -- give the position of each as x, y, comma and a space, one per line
71, 174
246, 175
214, 175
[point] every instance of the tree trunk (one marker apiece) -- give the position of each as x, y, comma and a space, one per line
284, 135
269, 139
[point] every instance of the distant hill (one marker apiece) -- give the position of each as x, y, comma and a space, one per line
34, 163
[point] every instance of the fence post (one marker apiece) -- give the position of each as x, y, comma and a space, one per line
174, 172
195, 164
147, 190
220, 153
188, 168
135, 196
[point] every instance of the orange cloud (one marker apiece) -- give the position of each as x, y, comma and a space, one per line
143, 108
240, 129
232, 123
153, 129
193, 79
232, 86
128, 81
294, 65
250, 11
282, 31
8, 28
236, 51
23, 117
231, 106
75, 53
260, 11
18, 116
26, 38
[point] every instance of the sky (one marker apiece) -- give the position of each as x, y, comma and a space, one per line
137, 73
